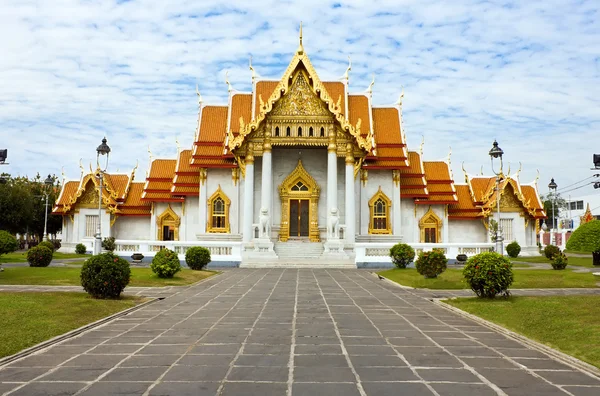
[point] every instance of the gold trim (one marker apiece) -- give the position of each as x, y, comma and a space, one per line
396, 177
235, 176
364, 176
168, 218
431, 220
218, 194
286, 194
203, 175
388, 205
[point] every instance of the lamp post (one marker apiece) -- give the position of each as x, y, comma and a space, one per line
553, 186
102, 149
49, 182
496, 153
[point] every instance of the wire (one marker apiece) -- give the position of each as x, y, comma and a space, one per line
580, 181
575, 188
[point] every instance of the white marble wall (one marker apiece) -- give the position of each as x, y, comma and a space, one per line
376, 179
136, 228
467, 231
222, 177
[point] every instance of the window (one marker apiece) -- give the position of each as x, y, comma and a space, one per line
430, 225
507, 229
168, 225
276, 131
310, 131
91, 225
299, 187
579, 205
322, 132
299, 131
379, 208
288, 131
576, 205
218, 206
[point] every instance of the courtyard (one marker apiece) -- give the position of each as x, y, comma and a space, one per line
300, 332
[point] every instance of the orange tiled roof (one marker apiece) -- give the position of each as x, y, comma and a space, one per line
159, 181
335, 89
162, 169
390, 148
133, 205
187, 179
464, 208
439, 183
264, 90
211, 138
68, 190
358, 107
481, 187
412, 178
241, 106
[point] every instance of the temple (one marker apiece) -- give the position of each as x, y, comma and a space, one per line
299, 171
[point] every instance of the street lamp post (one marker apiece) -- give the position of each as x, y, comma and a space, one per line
553, 186
101, 150
496, 152
49, 182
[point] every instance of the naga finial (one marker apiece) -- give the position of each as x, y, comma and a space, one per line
481, 171
537, 177
149, 153
421, 145
347, 74
252, 70
62, 173
199, 96
229, 87
400, 98
178, 145
449, 154
370, 89
465, 172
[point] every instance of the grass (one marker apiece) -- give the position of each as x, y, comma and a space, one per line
30, 318
21, 257
570, 324
69, 276
452, 279
577, 261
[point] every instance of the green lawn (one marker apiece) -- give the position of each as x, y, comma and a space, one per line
21, 257
30, 318
66, 276
524, 279
577, 261
570, 324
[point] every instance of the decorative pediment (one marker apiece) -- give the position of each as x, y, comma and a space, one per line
300, 101
299, 175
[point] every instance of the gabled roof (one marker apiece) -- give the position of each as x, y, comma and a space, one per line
439, 184
159, 181
187, 179
412, 179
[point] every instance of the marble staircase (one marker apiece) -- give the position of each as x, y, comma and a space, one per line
299, 253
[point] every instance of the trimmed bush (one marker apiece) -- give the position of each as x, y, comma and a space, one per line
105, 275
489, 274
551, 251
165, 264
559, 261
431, 264
48, 244
8, 243
197, 257
513, 249
39, 256
80, 248
108, 244
586, 238
402, 254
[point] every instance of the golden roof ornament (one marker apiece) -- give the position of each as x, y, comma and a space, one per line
149, 153
178, 145
300, 49
229, 86
370, 89
587, 216
252, 70
421, 145
347, 73
199, 96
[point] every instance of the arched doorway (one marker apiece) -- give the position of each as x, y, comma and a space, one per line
299, 194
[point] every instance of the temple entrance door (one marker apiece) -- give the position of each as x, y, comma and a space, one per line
299, 217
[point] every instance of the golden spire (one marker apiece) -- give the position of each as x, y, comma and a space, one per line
300, 47
465, 172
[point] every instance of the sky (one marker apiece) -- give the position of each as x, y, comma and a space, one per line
526, 73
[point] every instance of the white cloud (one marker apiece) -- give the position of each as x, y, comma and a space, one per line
523, 73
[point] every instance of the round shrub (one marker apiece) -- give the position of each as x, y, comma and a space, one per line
39, 256
402, 254
197, 257
80, 248
105, 275
108, 244
48, 244
165, 264
431, 264
586, 238
489, 274
551, 251
559, 261
8, 243
56, 243
513, 249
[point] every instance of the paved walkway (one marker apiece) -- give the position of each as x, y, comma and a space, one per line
293, 332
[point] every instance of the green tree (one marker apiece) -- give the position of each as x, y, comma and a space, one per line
559, 204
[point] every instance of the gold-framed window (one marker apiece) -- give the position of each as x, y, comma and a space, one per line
430, 225
380, 213
218, 212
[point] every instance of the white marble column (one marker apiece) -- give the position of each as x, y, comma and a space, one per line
396, 205
202, 204
331, 173
445, 226
247, 232
267, 179
350, 233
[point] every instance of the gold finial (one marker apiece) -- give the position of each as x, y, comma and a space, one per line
400, 98
178, 145
150, 153
81, 166
449, 154
347, 74
252, 70
300, 47
508, 173
199, 96
370, 89
519, 170
481, 171
537, 177
422, 144
137, 162
62, 173
465, 172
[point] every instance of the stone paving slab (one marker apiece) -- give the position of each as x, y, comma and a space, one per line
293, 332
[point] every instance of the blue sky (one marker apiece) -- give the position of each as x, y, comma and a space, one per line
525, 73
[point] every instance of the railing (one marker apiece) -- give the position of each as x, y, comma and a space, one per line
219, 250
380, 252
